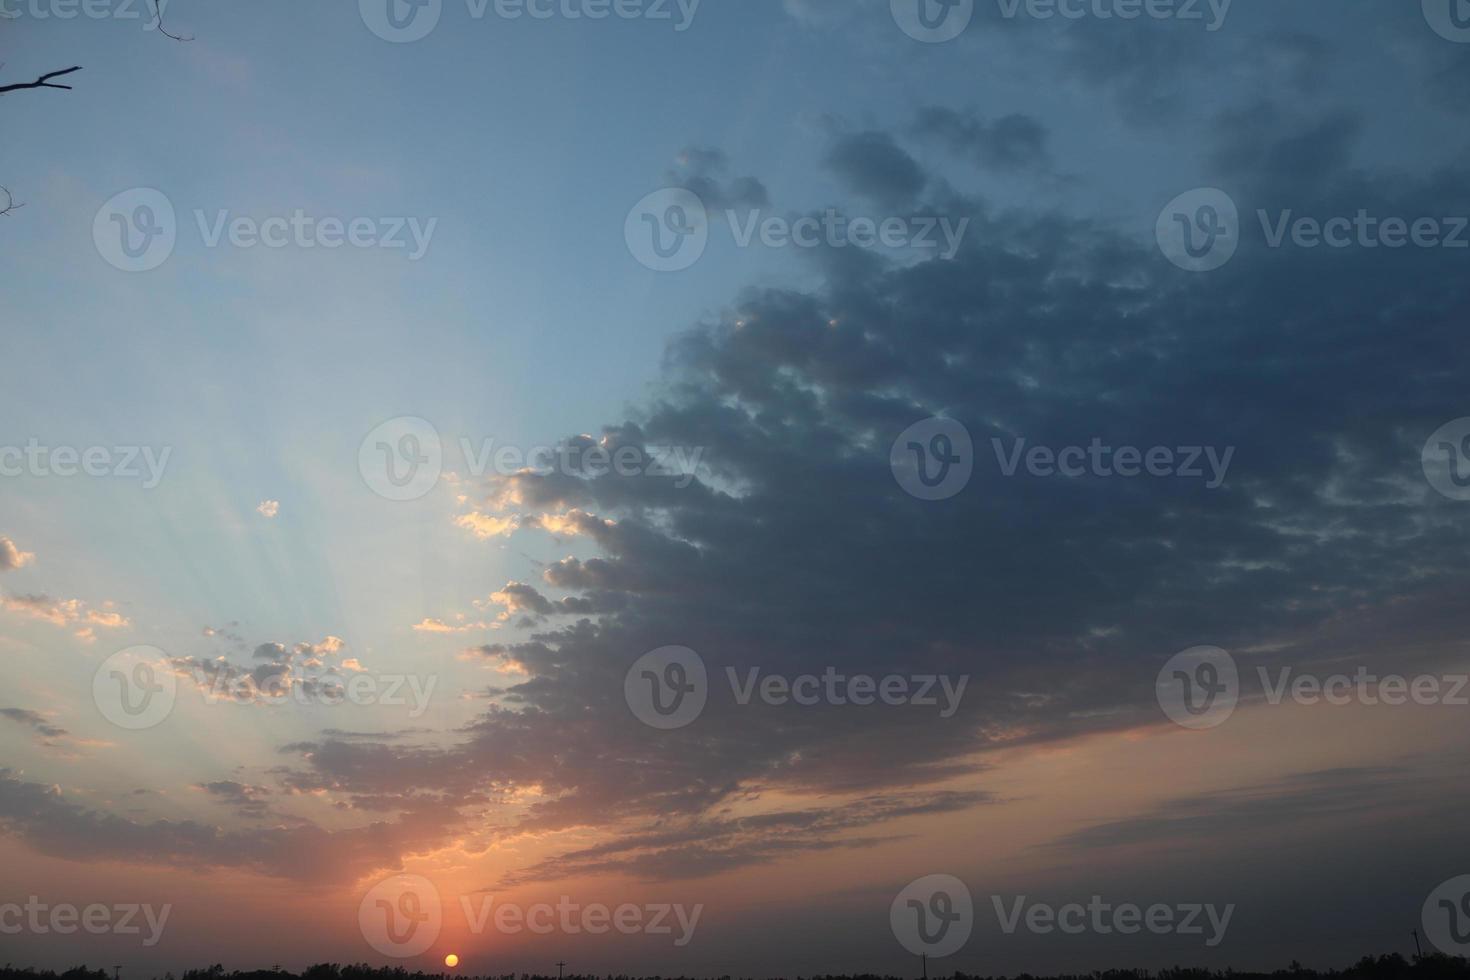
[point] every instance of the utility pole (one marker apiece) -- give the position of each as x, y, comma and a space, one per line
116, 973
924, 959
559, 965
1418, 950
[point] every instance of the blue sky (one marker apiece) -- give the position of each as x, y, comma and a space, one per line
528, 321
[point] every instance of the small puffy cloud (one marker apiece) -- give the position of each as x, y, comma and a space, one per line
572, 524
485, 526
460, 625
277, 671
1011, 143
268, 508
11, 557
517, 597
66, 612
248, 800
47, 733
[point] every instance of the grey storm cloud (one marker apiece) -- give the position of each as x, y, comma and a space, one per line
249, 801
875, 167
1008, 144
798, 550
47, 733
1317, 799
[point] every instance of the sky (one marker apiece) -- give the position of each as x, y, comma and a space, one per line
747, 488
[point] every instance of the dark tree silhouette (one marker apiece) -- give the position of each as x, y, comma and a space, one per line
45, 81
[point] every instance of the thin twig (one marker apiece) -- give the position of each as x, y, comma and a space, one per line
43, 82
158, 13
10, 204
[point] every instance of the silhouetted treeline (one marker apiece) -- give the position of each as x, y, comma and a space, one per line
1390, 967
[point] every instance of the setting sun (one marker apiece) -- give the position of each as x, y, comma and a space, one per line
452, 960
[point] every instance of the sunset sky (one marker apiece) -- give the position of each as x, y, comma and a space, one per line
493, 625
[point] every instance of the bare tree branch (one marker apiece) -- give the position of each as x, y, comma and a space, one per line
43, 82
158, 13
10, 204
